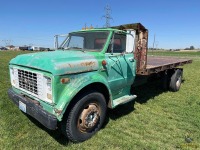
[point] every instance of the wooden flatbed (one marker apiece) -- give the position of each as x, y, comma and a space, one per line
157, 64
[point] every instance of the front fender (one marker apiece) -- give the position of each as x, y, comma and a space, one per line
76, 84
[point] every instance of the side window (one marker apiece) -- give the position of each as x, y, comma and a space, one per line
119, 43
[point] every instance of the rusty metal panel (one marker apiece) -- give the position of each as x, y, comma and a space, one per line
140, 53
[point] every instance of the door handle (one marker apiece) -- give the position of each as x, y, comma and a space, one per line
131, 59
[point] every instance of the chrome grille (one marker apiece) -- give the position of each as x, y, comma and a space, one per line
28, 81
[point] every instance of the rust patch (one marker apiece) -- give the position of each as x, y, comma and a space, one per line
70, 65
78, 71
91, 63
58, 111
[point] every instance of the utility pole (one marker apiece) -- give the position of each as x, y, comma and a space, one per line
154, 40
153, 43
107, 16
157, 45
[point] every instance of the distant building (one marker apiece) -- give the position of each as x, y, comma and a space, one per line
37, 48
10, 47
16, 48
23, 48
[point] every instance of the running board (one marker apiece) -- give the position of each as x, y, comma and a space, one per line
123, 100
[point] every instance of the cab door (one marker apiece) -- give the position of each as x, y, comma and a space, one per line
120, 63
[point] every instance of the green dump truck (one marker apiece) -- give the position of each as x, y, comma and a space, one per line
90, 71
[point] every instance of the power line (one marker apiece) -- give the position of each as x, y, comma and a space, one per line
7, 42
107, 16
153, 43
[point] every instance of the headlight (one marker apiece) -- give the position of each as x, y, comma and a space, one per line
48, 89
13, 77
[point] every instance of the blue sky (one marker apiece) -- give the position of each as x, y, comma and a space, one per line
176, 23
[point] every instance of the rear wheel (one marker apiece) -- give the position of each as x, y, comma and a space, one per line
176, 80
85, 118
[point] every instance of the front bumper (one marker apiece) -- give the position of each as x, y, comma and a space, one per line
34, 110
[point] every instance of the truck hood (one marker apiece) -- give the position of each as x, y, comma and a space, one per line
58, 62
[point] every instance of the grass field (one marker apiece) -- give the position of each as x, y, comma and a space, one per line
156, 120
175, 53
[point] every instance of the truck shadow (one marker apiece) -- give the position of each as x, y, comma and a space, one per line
144, 93
56, 134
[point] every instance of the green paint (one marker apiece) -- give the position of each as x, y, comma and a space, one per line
82, 68
58, 62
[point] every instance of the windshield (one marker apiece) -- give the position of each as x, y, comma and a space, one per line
86, 41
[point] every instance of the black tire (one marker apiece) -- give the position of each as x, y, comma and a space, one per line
176, 80
165, 79
85, 118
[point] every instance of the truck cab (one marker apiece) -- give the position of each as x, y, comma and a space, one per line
90, 71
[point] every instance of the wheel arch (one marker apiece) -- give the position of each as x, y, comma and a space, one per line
96, 86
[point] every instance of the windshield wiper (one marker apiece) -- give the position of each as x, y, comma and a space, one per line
76, 48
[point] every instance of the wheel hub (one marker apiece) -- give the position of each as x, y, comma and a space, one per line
88, 118
178, 82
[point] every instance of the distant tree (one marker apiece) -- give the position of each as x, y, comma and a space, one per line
192, 47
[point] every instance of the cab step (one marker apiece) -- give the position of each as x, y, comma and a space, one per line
124, 99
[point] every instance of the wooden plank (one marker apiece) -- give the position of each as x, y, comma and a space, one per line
157, 64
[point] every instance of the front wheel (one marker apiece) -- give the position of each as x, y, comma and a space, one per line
85, 118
